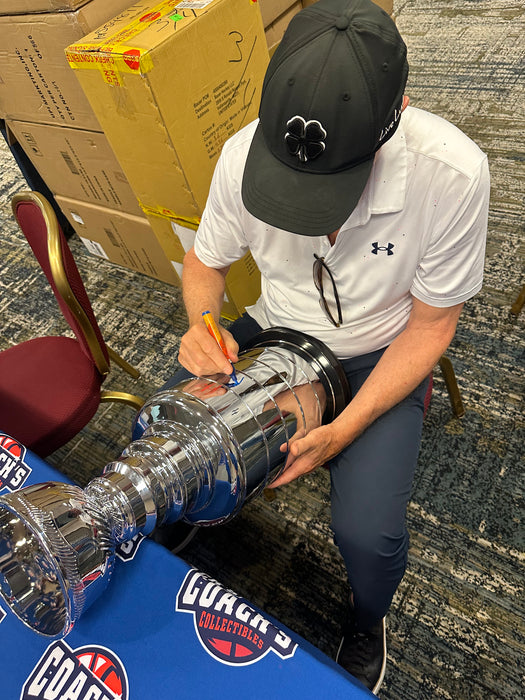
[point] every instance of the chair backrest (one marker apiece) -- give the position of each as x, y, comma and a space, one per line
40, 226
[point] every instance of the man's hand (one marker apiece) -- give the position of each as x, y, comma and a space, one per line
203, 290
307, 452
200, 353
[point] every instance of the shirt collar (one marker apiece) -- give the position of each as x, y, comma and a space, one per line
385, 190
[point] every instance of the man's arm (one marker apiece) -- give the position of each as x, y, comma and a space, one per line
203, 290
406, 362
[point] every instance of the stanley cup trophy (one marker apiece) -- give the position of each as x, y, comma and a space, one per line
199, 451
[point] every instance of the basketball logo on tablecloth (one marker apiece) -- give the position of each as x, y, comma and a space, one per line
106, 666
13, 468
228, 628
87, 672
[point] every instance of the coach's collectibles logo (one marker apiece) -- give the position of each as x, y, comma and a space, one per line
227, 627
13, 470
87, 673
126, 550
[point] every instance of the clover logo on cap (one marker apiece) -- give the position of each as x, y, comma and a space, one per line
305, 139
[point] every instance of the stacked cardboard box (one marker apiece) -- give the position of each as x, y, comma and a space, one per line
276, 16
24, 7
36, 84
76, 163
169, 84
169, 92
167, 109
47, 113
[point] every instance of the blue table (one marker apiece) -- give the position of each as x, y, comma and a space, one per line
163, 631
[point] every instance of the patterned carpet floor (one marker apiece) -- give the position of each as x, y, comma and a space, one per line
456, 629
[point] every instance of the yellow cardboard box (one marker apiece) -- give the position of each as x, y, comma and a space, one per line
169, 84
76, 163
243, 281
36, 83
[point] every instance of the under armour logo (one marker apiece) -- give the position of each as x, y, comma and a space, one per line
386, 248
304, 139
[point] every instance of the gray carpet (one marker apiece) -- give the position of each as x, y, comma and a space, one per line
456, 628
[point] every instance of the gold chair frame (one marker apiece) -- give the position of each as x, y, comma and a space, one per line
452, 386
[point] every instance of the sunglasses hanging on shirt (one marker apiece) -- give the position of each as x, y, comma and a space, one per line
319, 266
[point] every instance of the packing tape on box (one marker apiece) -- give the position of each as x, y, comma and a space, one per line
110, 64
189, 222
113, 54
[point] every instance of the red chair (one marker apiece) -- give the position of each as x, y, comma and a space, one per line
50, 387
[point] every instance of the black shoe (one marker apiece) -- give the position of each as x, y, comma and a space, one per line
363, 654
175, 536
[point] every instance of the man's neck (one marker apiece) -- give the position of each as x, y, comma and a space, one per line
333, 236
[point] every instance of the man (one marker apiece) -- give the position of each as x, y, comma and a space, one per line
367, 221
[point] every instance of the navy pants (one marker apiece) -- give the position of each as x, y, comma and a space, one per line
371, 481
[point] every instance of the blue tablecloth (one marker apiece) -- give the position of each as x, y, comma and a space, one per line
163, 631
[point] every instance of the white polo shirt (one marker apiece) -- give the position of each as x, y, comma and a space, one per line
419, 229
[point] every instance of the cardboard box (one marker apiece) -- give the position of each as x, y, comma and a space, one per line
121, 238
77, 164
274, 32
272, 9
243, 281
23, 7
169, 84
387, 5
36, 83
154, 247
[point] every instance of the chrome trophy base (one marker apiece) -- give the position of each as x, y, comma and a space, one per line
199, 451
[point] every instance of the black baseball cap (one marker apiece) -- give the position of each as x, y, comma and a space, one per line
331, 96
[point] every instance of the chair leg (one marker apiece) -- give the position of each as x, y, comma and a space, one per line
452, 386
121, 397
518, 304
118, 360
